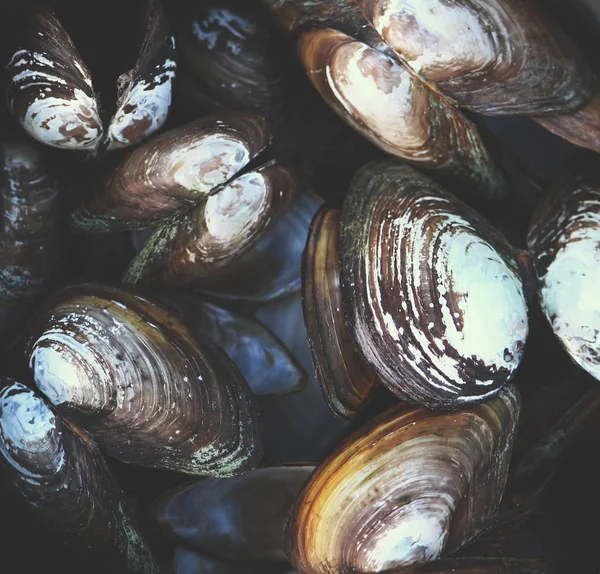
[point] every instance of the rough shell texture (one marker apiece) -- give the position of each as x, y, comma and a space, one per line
50, 89
234, 519
406, 488
391, 107
65, 482
564, 244
434, 295
494, 56
132, 375
345, 378
144, 93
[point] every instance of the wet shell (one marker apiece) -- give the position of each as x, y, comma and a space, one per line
477, 566
240, 519
387, 104
266, 364
232, 54
345, 378
132, 375
50, 89
144, 93
172, 171
66, 484
492, 56
408, 487
434, 294
564, 249
31, 252
51, 94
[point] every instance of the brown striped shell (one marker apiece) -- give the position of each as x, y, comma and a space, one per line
409, 487
133, 376
345, 378
493, 56
61, 475
433, 293
564, 244
391, 107
51, 94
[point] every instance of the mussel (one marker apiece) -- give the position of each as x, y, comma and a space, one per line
433, 293
346, 380
563, 244
31, 252
61, 475
50, 90
132, 375
240, 519
408, 487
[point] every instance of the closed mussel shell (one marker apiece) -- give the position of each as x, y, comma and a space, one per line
31, 252
345, 378
434, 295
232, 54
240, 519
132, 375
563, 243
67, 485
409, 487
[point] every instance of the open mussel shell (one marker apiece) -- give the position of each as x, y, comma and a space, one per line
30, 246
50, 89
433, 292
264, 361
477, 566
407, 488
345, 378
495, 57
67, 485
240, 519
132, 375
231, 52
396, 111
171, 171
563, 243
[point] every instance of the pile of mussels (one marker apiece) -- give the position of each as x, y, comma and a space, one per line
280, 291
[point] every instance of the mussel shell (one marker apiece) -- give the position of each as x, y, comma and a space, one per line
49, 88
132, 375
66, 484
299, 427
264, 361
144, 93
477, 566
493, 56
31, 251
231, 51
171, 171
434, 294
344, 376
240, 519
563, 243
397, 112
187, 561
580, 127
406, 488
